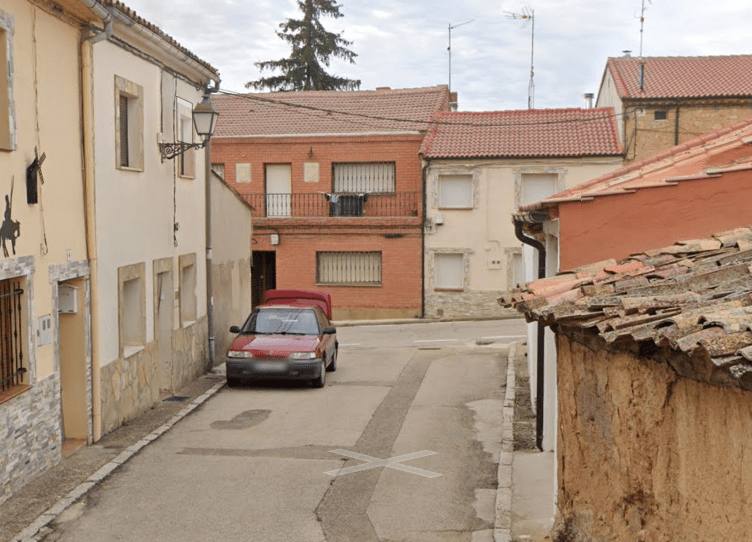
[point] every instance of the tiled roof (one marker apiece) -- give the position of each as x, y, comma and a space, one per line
130, 13
693, 299
329, 112
682, 77
524, 133
727, 149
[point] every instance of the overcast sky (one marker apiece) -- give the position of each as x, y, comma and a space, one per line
403, 44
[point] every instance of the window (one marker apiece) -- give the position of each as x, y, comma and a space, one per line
348, 268
184, 131
129, 125
187, 289
450, 271
364, 177
538, 186
455, 192
12, 325
660, 115
6, 94
242, 173
132, 317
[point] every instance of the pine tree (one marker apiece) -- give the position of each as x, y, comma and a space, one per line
312, 48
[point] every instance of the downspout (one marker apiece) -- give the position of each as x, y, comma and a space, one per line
540, 361
676, 124
423, 241
208, 218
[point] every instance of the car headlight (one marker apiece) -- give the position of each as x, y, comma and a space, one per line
239, 354
303, 355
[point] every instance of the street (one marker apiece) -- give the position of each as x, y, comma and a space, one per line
401, 445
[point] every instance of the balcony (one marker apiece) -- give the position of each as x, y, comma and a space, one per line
320, 205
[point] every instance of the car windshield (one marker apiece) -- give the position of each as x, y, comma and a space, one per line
283, 321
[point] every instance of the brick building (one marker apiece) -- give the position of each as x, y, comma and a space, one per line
661, 102
336, 185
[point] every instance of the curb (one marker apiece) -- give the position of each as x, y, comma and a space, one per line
48, 516
503, 525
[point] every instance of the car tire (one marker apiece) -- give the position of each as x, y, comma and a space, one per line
233, 382
321, 380
333, 364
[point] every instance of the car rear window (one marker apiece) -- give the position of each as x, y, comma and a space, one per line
282, 320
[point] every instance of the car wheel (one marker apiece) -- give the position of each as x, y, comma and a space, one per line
321, 380
333, 364
233, 382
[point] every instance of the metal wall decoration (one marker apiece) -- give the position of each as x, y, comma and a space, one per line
34, 169
10, 230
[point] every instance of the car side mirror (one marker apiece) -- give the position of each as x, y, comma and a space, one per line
331, 330
234, 329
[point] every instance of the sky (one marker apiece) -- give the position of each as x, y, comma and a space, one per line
403, 43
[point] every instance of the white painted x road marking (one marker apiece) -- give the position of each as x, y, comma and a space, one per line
392, 463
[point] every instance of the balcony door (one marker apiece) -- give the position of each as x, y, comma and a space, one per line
278, 189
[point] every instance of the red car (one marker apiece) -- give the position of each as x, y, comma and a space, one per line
288, 336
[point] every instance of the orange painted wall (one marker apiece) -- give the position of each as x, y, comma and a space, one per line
617, 226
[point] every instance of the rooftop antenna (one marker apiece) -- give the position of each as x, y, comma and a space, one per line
449, 48
642, 21
528, 18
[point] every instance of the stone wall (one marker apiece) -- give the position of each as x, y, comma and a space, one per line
645, 455
130, 386
30, 437
466, 304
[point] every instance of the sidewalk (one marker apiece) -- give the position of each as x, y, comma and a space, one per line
524, 497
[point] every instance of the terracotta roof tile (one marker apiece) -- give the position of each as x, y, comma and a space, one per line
722, 151
524, 133
329, 112
697, 302
682, 77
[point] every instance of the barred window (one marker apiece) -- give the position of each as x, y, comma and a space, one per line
364, 177
348, 268
12, 323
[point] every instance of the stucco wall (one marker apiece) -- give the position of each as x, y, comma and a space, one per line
594, 231
647, 456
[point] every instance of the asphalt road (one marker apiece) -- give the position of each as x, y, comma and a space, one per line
401, 445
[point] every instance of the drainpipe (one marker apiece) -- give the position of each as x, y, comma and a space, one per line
676, 124
540, 362
423, 242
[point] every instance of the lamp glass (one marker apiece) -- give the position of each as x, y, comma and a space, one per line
205, 117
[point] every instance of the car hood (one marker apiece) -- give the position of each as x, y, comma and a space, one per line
279, 345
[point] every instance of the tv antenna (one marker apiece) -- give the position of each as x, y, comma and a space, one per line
642, 21
528, 18
449, 48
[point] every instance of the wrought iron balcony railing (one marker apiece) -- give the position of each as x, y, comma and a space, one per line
401, 204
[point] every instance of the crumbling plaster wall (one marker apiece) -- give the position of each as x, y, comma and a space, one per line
646, 455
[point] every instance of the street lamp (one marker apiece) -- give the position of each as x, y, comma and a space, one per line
204, 120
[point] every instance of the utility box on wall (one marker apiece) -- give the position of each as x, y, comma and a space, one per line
68, 299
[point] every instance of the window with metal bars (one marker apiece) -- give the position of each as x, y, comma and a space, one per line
348, 268
12, 324
364, 177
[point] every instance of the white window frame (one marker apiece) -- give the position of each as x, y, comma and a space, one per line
446, 190
7, 108
454, 286
184, 134
364, 177
134, 93
364, 268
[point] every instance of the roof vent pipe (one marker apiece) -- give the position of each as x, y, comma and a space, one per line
588, 100
642, 76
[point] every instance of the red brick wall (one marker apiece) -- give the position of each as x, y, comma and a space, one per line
400, 293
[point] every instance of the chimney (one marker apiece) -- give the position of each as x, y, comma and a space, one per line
627, 53
453, 103
588, 100
642, 76
383, 89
